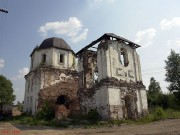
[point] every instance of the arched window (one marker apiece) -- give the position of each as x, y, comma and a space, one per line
123, 56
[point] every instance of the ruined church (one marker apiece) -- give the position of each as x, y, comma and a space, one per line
104, 75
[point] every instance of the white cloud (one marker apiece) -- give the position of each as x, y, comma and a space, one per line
73, 28
1, 63
22, 73
82, 36
145, 37
173, 44
168, 24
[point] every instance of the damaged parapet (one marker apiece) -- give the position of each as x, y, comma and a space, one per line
110, 78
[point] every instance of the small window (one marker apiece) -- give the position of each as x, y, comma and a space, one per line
43, 58
61, 58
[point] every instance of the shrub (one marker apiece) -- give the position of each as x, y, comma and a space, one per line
93, 115
159, 114
47, 112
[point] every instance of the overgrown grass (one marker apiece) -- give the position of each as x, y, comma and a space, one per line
29, 120
159, 114
154, 115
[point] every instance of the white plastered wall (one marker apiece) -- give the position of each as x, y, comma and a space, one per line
52, 58
109, 62
144, 99
33, 80
102, 101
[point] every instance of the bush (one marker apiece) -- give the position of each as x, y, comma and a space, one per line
164, 100
159, 114
47, 112
93, 115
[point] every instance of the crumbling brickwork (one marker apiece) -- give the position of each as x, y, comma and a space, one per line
89, 62
86, 79
59, 83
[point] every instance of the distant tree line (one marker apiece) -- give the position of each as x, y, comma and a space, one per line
172, 99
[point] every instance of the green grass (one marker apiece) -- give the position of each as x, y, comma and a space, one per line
29, 120
159, 114
154, 115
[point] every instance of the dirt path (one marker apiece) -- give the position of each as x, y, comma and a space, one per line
167, 127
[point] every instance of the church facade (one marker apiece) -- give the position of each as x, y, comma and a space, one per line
105, 75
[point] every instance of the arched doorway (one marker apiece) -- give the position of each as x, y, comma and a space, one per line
130, 106
62, 107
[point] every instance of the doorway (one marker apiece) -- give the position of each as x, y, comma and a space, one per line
62, 107
130, 106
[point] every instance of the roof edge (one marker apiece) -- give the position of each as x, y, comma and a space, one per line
106, 35
37, 49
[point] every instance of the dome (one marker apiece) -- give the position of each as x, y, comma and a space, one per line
54, 42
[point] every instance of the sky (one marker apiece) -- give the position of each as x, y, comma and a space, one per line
155, 25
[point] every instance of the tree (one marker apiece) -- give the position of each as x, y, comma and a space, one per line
6, 92
154, 86
173, 74
154, 92
173, 71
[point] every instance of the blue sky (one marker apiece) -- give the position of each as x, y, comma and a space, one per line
155, 25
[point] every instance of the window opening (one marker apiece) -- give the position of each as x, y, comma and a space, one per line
43, 58
96, 75
61, 58
124, 57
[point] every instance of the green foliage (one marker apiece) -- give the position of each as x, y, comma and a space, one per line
154, 86
173, 74
93, 115
157, 98
154, 115
177, 96
32, 121
6, 91
46, 112
173, 71
159, 114
163, 100
154, 93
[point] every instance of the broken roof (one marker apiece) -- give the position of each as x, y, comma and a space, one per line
107, 36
